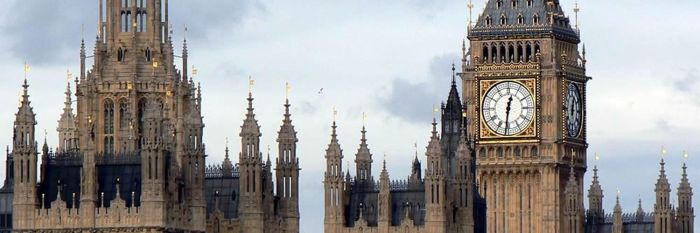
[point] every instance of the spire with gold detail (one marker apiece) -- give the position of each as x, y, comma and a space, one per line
617, 215
334, 184
384, 199
595, 196
685, 212
67, 129
227, 165
663, 212
363, 158
573, 208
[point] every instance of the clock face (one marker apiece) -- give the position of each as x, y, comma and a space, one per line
508, 108
573, 110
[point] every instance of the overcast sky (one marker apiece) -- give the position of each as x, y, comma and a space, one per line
392, 60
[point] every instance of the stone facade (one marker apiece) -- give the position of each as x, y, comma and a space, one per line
445, 200
526, 80
132, 158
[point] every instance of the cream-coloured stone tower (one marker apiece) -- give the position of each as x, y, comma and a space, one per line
524, 82
132, 158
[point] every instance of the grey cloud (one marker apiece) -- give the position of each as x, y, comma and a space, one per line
38, 32
689, 83
212, 16
413, 101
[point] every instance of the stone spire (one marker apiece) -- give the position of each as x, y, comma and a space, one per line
384, 199
685, 215
435, 184
663, 212
639, 215
24, 152
334, 185
67, 129
363, 159
617, 215
250, 132
227, 165
573, 205
251, 172
595, 195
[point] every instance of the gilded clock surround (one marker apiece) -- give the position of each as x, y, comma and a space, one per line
485, 132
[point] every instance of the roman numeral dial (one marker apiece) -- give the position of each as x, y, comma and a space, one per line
508, 108
574, 113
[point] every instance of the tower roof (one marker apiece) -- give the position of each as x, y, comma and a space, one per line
523, 18
334, 147
363, 153
287, 131
67, 120
250, 125
25, 112
453, 105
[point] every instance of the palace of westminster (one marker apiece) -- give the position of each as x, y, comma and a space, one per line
509, 156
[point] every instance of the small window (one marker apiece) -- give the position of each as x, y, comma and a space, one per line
514, 3
536, 19
499, 3
148, 54
521, 19
529, 3
488, 20
503, 20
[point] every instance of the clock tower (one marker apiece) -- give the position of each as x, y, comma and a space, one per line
524, 83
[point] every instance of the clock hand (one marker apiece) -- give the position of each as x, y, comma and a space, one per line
510, 100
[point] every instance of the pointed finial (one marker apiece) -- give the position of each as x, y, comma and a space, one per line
576, 10
226, 155
471, 7
251, 82
415, 148
453, 74
184, 35
663, 152
435, 111
384, 165
27, 68
287, 90
364, 119
82, 32
335, 114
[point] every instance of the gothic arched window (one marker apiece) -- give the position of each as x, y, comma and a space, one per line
108, 126
504, 20
123, 111
120, 55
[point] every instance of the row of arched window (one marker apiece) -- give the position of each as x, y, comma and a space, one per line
124, 123
121, 54
126, 17
520, 20
514, 3
510, 52
516, 151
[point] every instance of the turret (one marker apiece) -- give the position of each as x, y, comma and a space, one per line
573, 209
435, 219
287, 170
617, 215
663, 212
363, 160
685, 215
250, 169
24, 151
465, 186
451, 125
384, 199
334, 185
67, 129
595, 215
